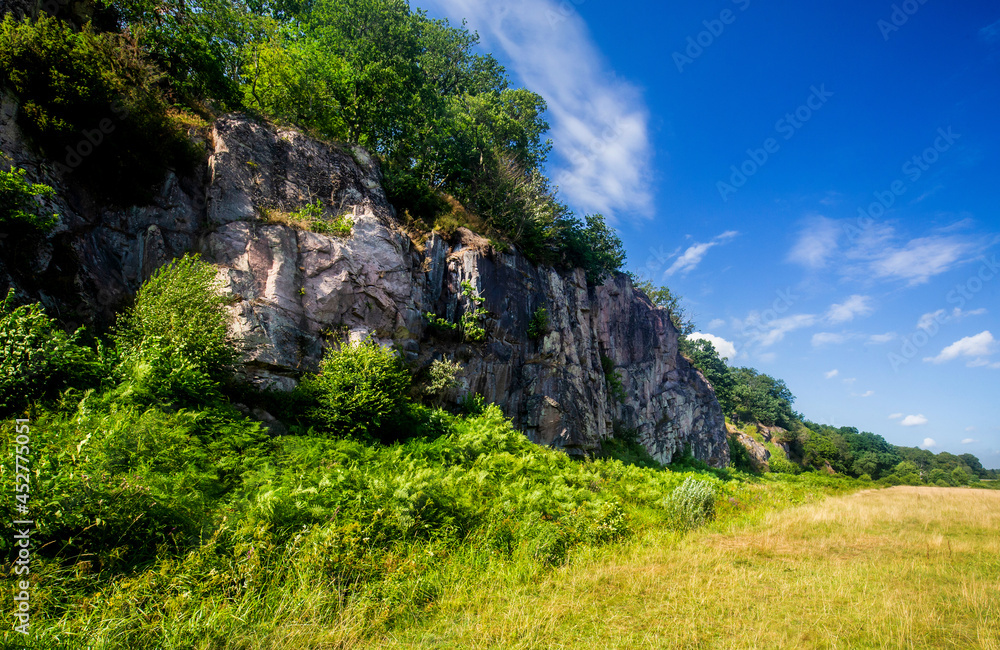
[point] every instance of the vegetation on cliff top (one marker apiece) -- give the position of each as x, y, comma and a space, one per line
443, 119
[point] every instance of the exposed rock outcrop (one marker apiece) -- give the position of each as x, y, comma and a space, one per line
759, 455
292, 288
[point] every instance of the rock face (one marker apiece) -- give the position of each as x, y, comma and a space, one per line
293, 289
759, 455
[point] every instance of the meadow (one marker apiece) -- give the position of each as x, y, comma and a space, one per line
904, 567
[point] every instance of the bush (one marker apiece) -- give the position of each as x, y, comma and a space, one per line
359, 387
739, 455
37, 358
616, 389
691, 505
20, 212
174, 340
91, 101
442, 375
539, 325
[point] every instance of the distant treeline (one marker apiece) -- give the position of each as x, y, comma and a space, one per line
749, 397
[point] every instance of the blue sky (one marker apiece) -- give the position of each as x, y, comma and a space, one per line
820, 183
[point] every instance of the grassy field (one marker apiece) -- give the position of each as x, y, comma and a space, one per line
902, 567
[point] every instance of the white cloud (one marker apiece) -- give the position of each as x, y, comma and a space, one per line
716, 324
878, 339
928, 443
976, 347
895, 416
601, 145
940, 316
913, 421
970, 428
817, 242
850, 380
692, 257
867, 393
927, 321
854, 306
833, 373
768, 333
828, 338
969, 441
920, 259
725, 348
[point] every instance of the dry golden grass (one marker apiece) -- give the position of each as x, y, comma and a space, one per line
906, 567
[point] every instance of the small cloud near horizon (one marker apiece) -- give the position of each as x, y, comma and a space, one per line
928, 443
913, 421
726, 349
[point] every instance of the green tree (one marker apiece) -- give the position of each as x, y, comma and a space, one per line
761, 398
705, 358
662, 296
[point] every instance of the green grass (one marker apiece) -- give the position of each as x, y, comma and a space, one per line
897, 568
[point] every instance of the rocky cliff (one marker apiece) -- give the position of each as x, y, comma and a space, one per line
292, 289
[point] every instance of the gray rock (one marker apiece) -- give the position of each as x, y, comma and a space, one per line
293, 289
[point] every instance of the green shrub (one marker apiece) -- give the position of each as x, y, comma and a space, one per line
359, 387
442, 375
20, 212
473, 318
174, 340
614, 378
739, 456
691, 505
91, 102
539, 325
37, 358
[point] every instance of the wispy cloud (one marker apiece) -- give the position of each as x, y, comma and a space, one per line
599, 122
969, 441
878, 339
820, 339
692, 257
879, 252
920, 259
941, 316
817, 242
991, 32
833, 373
849, 309
767, 333
976, 348
895, 416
